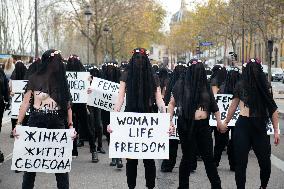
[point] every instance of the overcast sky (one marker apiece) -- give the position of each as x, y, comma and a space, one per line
172, 6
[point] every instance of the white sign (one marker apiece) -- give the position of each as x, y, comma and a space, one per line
104, 94
224, 101
18, 89
42, 150
78, 84
139, 135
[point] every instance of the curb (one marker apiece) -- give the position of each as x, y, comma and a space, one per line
281, 114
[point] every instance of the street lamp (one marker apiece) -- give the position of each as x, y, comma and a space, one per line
106, 30
88, 14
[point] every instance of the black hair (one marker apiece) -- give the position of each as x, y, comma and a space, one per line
232, 78
163, 77
194, 83
33, 68
111, 71
219, 73
140, 83
74, 64
178, 73
95, 72
259, 92
19, 71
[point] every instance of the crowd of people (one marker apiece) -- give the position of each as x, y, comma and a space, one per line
149, 89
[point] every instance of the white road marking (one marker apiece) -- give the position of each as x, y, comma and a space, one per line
277, 162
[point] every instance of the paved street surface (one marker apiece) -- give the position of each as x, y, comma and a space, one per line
87, 175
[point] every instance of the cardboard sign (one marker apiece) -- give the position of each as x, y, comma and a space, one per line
78, 84
42, 150
18, 88
104, 94
224, 101
139, 135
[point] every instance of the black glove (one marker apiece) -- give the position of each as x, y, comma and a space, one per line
1, 157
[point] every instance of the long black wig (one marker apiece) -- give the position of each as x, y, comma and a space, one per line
219, 74
259, 93
111, 71
74, 64
178, 73
232, 79
163, 77
140, 84
19, 71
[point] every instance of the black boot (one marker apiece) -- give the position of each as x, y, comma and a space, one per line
113, 162
119, 164
95, 158
80, 143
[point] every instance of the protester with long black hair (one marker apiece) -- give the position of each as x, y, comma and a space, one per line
4, 95
80, 114
110, 72
253, 95
195, 101
50, 107
141, 86
179, 71
217, 78
18, 74
96, 128
222, 139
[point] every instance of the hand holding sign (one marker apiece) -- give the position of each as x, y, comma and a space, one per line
109, 130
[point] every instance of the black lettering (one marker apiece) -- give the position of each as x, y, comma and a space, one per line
54, 136
137, 120
123, 147
63, 138
161, 147
130, 146
28, 164
144, 149
53, 164
129, 120
29, 151
154, 121
144, 121
121, 122
46, 136
17, 161
44, 166
136, 147
142, 131
30, 136
149, 133
130, 129
35, 163
67, 164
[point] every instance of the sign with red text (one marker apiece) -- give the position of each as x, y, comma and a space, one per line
139, 135
78, 84
42, 150
104, 94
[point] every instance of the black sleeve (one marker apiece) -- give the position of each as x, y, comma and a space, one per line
214, 82
157, 80
213, 104
13, 76
6, 89
176, 92
123, 76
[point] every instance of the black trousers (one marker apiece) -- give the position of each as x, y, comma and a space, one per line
197, 133
221, 141
105, 116
48, 121
170, 163
251, 132
2, 109
80, 123
150, 172
95, 126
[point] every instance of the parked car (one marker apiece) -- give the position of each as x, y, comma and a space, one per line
277, 74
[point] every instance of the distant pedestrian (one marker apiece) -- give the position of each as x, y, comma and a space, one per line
9, 67
253, 95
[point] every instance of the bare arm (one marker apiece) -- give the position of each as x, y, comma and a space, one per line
159, 100
171, 107
120, 99
232, 109
69, 116
275, 121
24, 106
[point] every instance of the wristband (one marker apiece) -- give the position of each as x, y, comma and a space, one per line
70, 125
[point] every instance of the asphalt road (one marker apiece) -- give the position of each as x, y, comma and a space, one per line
87, 175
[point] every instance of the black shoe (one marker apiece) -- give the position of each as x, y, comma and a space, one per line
80, 143
101, 150
199, 158
1, 157
113, 162
74, 154
16, 171
119, 164
95, 158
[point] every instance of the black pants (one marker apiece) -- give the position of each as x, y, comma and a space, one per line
95, 126
221, 141
251, 132
80, 117
169, 164
2, 109
48, 121
105, 115
200, 135
150, 172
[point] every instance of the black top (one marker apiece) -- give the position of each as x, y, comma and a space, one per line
240, 93
207, 100
123, 78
